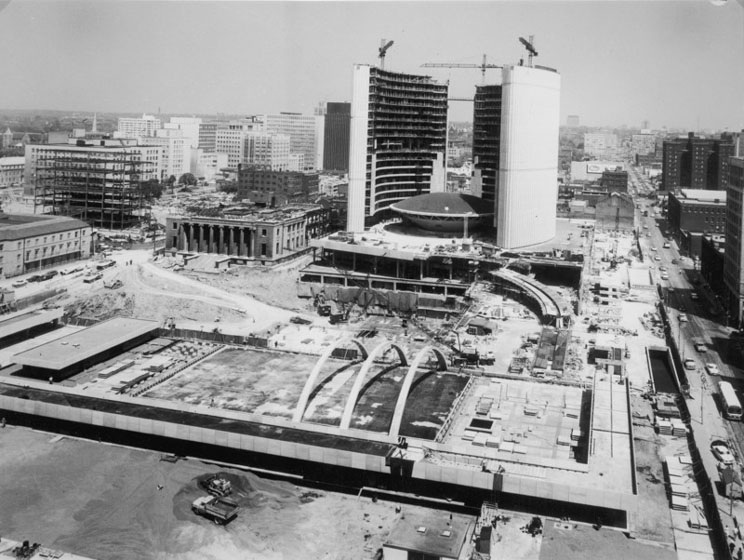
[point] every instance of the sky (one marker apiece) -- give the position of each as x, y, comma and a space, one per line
676, 64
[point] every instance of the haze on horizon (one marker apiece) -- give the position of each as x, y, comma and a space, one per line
676, 64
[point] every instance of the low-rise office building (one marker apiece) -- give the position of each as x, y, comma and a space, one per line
11, 170
32, 242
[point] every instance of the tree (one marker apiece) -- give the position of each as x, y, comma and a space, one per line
151, 189
187, 179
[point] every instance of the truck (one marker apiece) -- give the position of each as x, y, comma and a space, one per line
218, 509
217, 486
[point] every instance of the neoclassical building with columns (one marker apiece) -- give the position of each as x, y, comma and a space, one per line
265, 234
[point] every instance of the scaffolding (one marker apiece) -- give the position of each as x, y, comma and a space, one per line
99, 185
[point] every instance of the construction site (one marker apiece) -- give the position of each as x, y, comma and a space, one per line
99, 183
512, 391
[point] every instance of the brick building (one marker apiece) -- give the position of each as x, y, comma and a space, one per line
696, 163
693, 213
275, 188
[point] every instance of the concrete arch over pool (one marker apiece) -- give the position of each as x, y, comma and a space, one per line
362, 375
400, 404
311, 381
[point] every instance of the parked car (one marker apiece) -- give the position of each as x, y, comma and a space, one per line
19, 283
49, 275
722, 453
682, 318
700, 347
664, 276
689, 363
663, 268
694, 296
34, 278
92, 278
712, 369
71, 270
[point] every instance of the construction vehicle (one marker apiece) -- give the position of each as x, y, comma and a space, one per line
220, 510
324, 308
113, 284
217, 486
340, 315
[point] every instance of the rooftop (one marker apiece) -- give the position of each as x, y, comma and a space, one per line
444, 204
13, 160
72, 349
20, 226
434, 533
703, 195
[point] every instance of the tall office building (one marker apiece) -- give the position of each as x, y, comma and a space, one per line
230, 138
486, 141
301, 130
208, 136
336, 136
733, 263
696, 163
398, 141
189, 127
175, 157
269, 151
528, 156
515, 153
133, 127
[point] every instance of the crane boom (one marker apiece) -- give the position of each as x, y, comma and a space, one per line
384, 46
483, 66
530, 47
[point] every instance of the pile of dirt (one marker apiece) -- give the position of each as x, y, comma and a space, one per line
101, 305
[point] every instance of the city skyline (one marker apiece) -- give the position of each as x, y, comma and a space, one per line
674, 64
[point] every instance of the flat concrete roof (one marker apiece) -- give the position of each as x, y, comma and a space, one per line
19, 323
435, 533
689, 196
72, 349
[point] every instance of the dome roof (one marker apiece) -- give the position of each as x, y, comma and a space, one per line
444, 204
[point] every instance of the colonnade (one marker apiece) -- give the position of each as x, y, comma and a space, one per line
217, 239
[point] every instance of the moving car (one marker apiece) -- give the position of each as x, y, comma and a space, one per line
694, 296
682, 318
722, 453
712, 369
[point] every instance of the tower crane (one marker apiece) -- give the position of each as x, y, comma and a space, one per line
483, 66
384, 46
529, 45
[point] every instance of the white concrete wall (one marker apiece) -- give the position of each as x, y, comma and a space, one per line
528, 184
358, 147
